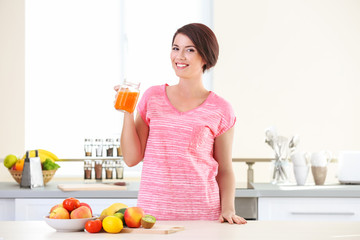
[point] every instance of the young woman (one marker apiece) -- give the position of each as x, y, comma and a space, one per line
184, 135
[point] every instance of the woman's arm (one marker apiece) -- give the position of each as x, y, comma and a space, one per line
226, 177
133, 139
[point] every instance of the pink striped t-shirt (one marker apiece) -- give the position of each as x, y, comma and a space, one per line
178, 180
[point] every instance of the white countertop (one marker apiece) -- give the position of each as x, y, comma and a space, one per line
16, 230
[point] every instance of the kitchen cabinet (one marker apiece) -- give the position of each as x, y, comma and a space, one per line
7, 209
35, 209
314, 209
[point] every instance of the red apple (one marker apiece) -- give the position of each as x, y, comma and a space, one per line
81, 212
86, 205
133, 216
59, 213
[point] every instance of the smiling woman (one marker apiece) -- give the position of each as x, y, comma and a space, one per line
73, 62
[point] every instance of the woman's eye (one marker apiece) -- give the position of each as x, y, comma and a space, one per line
191, 50
175, 48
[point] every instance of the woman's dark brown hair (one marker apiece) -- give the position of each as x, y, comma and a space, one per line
204, 40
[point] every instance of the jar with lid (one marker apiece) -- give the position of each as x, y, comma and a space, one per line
98, 169
118, 147
109, 166
99, 147
109, 147
127, 96
119, 168
87, 169
88, 147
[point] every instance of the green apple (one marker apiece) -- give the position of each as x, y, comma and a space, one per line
120, 215
10, 160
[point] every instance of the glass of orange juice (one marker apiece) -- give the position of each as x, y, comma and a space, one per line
127, 96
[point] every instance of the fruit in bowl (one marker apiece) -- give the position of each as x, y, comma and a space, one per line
62, 219
67, 225
48, 165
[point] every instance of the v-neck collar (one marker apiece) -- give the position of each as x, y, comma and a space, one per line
188, 111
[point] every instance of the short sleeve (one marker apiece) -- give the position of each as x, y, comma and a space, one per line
142, 106
228, 117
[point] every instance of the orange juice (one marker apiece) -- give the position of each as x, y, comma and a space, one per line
126, 100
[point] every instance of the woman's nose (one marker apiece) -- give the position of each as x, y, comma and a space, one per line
180, 55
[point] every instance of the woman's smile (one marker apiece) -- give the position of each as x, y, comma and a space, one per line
185, 58
181, 65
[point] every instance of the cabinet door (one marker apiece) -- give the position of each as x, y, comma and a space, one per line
7, 209
314, 209
36, 209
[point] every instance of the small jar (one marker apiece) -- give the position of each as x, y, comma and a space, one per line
118, 147
87, 169
88, 147
109, 167
98, 169
99, 147
127, 96
109, 147
119, 168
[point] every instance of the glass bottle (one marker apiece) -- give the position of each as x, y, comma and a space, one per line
109, 166
99, 147
119, 168
87, 169
98, 169
118, 147
109, 146
88, 147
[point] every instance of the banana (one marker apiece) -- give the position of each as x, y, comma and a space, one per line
50, 154
112, 209
43, 155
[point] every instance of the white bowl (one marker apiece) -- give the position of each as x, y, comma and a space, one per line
67, 225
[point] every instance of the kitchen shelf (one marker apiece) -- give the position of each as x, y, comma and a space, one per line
90, 158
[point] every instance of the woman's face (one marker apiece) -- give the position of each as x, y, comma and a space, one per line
185, 58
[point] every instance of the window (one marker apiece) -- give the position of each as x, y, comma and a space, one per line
77, 50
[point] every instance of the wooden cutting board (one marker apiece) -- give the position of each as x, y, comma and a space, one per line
156, 229
90, 187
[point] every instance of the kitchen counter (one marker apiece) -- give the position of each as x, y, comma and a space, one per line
16, 230
12, 190
292, 190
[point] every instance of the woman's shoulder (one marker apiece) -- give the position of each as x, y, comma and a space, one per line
155, 90
152, 91
220, 102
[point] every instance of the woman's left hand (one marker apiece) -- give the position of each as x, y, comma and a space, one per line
232, 218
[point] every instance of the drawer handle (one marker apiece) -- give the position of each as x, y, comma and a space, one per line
323, 213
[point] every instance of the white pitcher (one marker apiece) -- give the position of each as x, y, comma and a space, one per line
300, 158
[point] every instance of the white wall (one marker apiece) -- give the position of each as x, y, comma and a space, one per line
294, 65
12, 76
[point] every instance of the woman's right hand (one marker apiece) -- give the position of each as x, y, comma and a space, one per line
116, 88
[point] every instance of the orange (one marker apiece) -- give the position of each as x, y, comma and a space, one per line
19, 165
112, 224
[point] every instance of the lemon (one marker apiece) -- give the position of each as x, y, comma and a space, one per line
112, 224
10, 160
